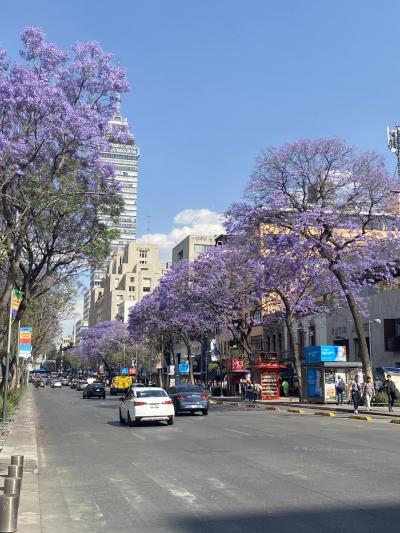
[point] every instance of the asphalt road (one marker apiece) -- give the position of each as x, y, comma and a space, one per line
237, 470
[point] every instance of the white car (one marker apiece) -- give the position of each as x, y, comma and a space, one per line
146, 403
56, 384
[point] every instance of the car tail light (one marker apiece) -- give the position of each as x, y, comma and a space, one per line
167, 401
181, 397
138, 403
205, 396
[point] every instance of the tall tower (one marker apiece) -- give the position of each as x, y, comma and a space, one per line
124, 158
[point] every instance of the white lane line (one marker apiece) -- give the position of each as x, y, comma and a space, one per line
138, 436
236, 431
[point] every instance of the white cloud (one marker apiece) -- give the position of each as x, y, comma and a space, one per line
186, 222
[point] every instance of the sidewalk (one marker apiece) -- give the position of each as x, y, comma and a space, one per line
21, 440
290, 402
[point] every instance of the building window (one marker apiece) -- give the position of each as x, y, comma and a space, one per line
202, 248
116, 283
146, 289
391, 328
180, 255
143, 254
280, 343
132, 280
256, 317
132, 289
257, 343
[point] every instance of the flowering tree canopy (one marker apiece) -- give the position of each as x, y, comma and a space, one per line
335, 205
54, 110
99, 343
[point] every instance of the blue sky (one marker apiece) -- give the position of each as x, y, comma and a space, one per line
215, 81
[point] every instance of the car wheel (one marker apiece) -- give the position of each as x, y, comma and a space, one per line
104, 396
205, 412
130, 423
121, 420
171, 421
83, 396
192, 412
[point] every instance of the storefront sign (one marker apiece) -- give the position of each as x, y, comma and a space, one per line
317, 354
237, 364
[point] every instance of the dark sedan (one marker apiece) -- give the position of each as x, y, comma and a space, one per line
94, 390
189, 398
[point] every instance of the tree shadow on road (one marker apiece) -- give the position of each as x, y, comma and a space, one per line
365, 519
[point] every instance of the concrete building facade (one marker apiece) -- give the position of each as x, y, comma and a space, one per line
132, 272
191, 247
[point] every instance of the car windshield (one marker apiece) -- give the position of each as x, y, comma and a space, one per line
193, 388
150, 393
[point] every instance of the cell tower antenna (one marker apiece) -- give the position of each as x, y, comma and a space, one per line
393, 140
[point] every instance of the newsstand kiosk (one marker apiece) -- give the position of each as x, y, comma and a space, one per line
268, 369
322, 367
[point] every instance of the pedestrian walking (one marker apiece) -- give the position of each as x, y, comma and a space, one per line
250, 391
391, 390
368, 393
257, 391
285, 388
242, 388
355, 393
340, 388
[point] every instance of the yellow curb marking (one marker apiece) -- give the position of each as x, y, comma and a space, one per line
361, 417
325, 413
271, 408
395, 421
298, 411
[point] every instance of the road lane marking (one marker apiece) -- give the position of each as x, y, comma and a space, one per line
236, 431
183, 494
138, 436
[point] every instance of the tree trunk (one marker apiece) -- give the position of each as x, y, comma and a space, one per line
293, 338
358, 324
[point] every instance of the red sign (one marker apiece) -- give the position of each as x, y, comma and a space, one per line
237, 364
132, 371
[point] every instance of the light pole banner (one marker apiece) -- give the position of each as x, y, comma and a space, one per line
25, 342
16, 299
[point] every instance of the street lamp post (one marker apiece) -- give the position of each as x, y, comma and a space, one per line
374, 321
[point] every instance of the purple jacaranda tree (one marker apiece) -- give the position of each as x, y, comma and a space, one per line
102, 342
54, 109
335, 203
226, 283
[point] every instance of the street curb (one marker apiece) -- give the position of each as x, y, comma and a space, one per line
271, 408
325, 413
297, 411
362, 417
395, 421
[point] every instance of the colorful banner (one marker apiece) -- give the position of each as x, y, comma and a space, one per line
25, 342
16, 299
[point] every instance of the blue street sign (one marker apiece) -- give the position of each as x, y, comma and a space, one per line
124, 371
183, 368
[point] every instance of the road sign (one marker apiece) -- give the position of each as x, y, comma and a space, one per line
132, 371
124, 371
183, 368
133, 362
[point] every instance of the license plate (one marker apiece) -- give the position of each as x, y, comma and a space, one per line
154, 406
194, 406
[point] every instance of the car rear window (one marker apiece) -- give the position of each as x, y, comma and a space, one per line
150, 393
189, 389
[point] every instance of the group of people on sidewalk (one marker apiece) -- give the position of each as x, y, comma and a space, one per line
366, 391
249, 390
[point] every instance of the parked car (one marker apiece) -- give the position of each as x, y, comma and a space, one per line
56, 384
189, 398
145, 403
74, 383
82, 384
94, 390
64, 382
